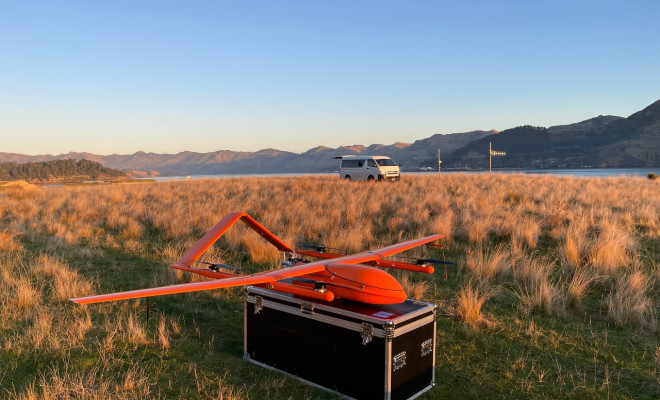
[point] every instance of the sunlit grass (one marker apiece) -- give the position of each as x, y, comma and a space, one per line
556, 294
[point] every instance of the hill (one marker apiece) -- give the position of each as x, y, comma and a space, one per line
57, 170
604, 141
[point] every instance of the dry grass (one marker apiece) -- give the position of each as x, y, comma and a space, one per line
574, 246
470, 299
629, 303
415, 290
577, 286
488, 265
25, 294
31, 309
134, 330
611, 248
163, 334
8, 241
540, 296
67, 283
323, 209
594, 228
92, 384
216, 388
533, 288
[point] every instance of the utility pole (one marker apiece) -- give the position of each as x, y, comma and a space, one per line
492, 153
439, 162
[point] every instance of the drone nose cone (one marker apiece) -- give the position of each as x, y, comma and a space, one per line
369, 285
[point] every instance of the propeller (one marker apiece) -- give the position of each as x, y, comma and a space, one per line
422, 261
216, 267
315, 247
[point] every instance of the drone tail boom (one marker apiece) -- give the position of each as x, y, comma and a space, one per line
219, 229
428, 269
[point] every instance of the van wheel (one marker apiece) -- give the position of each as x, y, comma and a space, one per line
347, 177
370, 178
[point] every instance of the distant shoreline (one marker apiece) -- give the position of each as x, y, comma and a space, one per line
583, 172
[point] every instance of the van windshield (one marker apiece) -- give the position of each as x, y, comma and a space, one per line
386, 162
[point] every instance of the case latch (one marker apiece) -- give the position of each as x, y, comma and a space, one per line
307, 308
258, 304
427, 347
366, 332
399, 361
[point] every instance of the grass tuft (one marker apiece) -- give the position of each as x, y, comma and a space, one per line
8, 241
628, 304
470, 300
415, 290
488, 265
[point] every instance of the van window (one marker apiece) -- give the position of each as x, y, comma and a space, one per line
352, 163
371, 163
386, 162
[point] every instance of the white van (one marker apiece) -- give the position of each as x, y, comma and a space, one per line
368, 168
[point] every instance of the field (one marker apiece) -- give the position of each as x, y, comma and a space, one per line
556, 294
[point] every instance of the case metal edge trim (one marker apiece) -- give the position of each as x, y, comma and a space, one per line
435, 343
287, 297
354, 326
245, 328
377, 332
388, 370
421, 392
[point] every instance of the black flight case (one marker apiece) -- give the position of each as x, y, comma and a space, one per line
357, 350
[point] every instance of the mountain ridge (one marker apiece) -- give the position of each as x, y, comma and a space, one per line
606, 140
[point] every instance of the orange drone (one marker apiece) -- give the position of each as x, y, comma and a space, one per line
351, 277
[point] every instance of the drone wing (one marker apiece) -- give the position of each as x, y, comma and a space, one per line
254, 279
261, 277
379, 254
229, 280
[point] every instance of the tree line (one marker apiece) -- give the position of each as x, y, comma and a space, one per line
57, 169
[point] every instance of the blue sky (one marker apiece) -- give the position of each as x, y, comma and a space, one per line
168, 76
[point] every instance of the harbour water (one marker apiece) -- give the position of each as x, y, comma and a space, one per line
584, 172
578, 172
